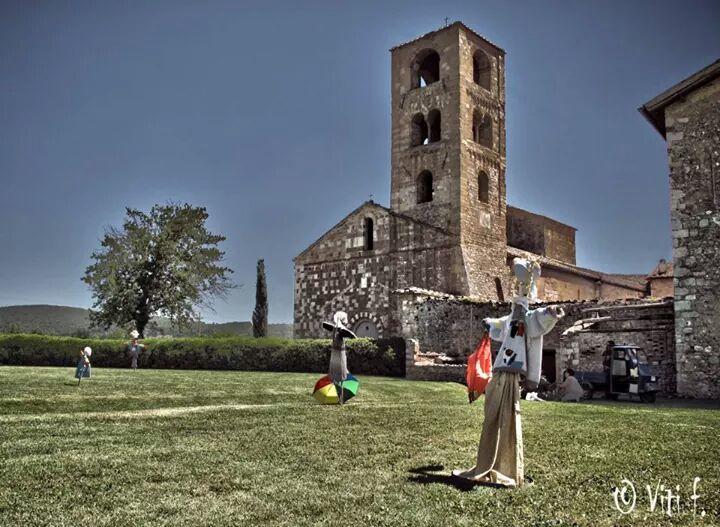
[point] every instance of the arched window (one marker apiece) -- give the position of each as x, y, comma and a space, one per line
483, 187
418, 130
368, 234
482, 129
482, 69
425, 187
426, 68
434, 126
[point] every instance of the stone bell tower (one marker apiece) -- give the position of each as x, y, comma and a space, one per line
448, 148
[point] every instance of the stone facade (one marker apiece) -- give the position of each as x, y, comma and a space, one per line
342, 271
688, 115
448, 227
540, 235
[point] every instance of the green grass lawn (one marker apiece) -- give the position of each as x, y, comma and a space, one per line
157, 447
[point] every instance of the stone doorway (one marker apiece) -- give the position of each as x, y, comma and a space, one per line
366, 329
548, 365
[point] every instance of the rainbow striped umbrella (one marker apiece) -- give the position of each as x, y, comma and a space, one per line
327, 392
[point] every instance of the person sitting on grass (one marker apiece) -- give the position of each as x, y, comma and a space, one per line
570, 389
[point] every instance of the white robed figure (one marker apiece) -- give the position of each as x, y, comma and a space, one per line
338, 370
500, 458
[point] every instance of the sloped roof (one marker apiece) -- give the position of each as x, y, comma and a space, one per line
385, 210
456, 23
654, 110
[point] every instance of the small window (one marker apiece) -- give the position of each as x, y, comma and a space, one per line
434, 126
425, 187
418, 130
483, 187
368, 234
426, 69
499, 290
482, 129
482, 69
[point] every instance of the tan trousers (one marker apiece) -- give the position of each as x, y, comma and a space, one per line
500, 454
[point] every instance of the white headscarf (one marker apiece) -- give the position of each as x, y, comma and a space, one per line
88, 350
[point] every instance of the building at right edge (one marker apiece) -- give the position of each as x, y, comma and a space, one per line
688, 117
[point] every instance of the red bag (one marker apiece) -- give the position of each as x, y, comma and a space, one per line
479, 369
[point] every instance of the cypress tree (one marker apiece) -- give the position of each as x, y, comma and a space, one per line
260, 313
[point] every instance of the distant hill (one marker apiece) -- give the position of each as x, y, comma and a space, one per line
65, 320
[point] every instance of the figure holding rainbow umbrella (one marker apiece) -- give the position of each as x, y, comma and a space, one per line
338, 386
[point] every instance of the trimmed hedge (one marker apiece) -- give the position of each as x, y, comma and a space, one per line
365, 356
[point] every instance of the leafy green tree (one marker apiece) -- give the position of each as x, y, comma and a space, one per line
260, 313
161, 263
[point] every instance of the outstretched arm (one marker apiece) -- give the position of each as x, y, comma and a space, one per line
496, 327
541, 321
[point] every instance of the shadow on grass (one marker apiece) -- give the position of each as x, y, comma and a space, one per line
428, 474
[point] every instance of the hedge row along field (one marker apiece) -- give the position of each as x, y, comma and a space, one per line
365, 356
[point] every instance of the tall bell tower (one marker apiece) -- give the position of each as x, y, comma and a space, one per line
448, 148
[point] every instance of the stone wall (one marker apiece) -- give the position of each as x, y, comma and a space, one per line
540, 235
649, 325
661, 287
693, 138
451, 326
441, 158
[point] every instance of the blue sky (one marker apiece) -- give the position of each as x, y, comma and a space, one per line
276, 117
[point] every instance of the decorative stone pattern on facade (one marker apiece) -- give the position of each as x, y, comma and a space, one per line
338, 272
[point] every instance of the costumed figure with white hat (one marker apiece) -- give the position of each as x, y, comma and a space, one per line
500, 458
83, 368
134, 349
338, 372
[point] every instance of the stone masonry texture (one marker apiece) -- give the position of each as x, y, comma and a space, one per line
693, 142
452, 326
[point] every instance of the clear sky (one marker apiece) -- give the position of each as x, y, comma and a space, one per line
276, 117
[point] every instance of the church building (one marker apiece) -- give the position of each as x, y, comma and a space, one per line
448, 228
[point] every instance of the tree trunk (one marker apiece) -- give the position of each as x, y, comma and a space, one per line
141, 322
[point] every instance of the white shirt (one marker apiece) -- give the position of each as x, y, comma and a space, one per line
538, 322
571, 389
